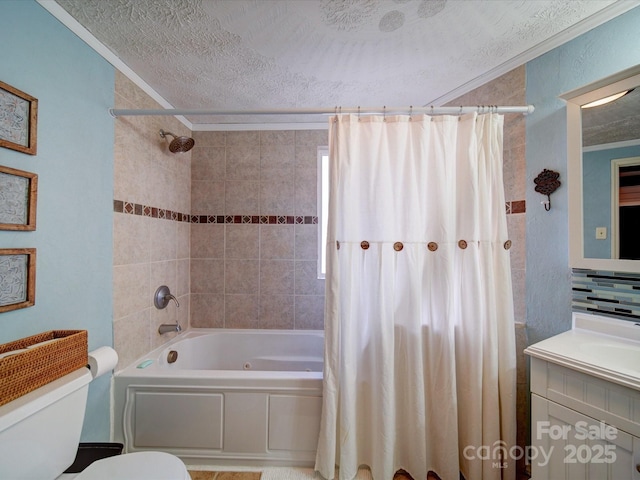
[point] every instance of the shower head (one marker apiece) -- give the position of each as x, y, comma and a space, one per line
178, 144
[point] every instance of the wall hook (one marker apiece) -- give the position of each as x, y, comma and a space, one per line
546, 183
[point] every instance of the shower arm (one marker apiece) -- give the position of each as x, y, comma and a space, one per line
429, 110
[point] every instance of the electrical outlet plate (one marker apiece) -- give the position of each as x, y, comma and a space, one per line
601, 233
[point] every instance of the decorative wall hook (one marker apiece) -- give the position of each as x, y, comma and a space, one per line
546, 183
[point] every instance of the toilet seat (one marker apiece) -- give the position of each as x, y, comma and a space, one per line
137, 466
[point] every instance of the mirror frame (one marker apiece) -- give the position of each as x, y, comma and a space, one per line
624, 80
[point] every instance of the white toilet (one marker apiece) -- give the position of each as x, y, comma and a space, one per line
40, 431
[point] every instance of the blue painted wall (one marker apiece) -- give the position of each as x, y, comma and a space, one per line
596, 178
74, 163
607, 49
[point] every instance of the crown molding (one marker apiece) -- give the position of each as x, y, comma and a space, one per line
86, 36
602, 16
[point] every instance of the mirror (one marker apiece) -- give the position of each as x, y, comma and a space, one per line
603, 146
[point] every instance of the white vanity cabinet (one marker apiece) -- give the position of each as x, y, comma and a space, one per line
585, 402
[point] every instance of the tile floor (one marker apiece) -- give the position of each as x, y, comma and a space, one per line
199, 475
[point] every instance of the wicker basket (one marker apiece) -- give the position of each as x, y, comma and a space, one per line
40, 363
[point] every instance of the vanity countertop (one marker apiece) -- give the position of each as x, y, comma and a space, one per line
604, 347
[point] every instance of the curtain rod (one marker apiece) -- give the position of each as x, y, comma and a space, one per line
527, 109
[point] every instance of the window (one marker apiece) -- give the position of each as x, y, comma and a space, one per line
323, 208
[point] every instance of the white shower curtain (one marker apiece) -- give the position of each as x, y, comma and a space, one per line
420, 348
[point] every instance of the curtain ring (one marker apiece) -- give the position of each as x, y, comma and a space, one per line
358, 112
384, 113
410, 112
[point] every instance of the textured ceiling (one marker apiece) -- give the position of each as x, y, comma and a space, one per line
261, 54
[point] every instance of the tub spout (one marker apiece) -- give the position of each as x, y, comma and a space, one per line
169, 327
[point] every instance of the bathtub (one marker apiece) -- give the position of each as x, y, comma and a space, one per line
222, 396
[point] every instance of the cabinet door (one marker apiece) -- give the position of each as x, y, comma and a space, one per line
567, 445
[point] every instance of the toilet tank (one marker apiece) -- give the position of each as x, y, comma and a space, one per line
40, 431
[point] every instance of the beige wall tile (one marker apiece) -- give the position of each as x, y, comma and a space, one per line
241, 311
183, 277
207, 310
242, 198
241, 276
312, 138
306, 242
130, 289
277, 242
208, 163
131, 239
277, 137
207, 197
210, 139
183, 240
309, 312
242, 241
163, 240
307, 282
131, 338
277, 162
277, 197
276, 277
243, 163
277, 311
207, 240
207, 276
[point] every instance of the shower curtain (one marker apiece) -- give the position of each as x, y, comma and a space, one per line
420, 349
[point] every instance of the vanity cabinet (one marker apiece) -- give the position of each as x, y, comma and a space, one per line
582, 427
585, 402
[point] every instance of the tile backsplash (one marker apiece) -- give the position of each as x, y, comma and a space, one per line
610, 294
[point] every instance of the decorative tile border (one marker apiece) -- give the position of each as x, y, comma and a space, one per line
120, 206
611, 294
518, 206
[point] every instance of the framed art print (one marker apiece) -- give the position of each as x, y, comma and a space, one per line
18, 120
17, 278
18, 198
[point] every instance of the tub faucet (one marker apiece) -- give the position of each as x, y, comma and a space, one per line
169, 327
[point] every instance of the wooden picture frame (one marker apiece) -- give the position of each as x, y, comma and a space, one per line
18, 120
17, 278
18, 199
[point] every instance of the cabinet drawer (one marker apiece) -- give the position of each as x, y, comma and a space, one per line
613, 404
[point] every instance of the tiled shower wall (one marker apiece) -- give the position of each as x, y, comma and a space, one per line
230, 225
254, 249
152, 189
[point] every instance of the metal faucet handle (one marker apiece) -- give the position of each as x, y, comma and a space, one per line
162, 297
